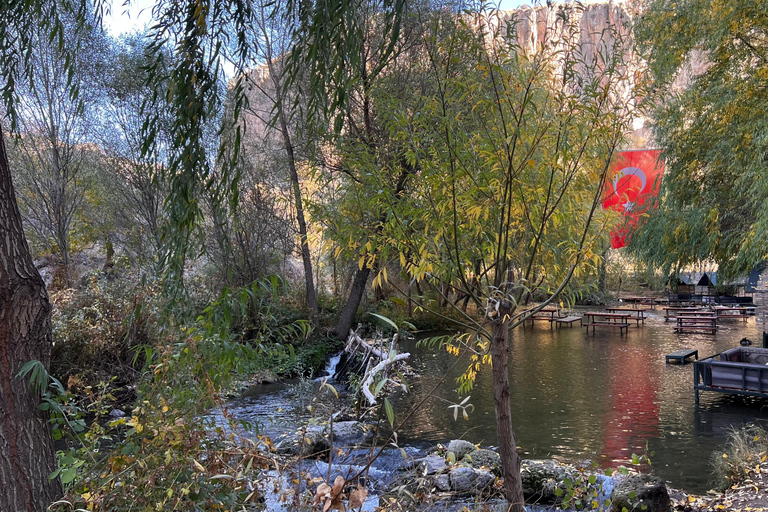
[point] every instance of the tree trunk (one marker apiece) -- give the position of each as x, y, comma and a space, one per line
344, 323
306, 257
26, 448
510, 460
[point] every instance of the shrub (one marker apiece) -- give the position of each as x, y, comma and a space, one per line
743, 450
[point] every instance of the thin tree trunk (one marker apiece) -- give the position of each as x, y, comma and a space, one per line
344, 323
26, 447
510, 460
306, 257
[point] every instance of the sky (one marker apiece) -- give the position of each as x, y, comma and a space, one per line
139, 13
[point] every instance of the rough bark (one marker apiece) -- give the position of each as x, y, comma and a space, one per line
26, 448
510, 460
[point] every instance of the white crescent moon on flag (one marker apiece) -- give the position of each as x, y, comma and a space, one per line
629, 171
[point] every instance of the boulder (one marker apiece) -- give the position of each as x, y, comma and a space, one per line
541, 478
443, 483
484, 479
460, 448
313, 444
350, 433
642, 492
462, 479
482, 457
430, 465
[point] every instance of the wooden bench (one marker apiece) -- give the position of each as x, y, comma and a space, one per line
566, 320
681, 355
620, 325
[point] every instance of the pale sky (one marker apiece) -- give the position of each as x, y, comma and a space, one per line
139, 13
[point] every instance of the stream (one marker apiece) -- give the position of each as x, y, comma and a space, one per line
576, 397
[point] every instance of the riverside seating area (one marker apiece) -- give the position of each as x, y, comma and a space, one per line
703, 319
740, 370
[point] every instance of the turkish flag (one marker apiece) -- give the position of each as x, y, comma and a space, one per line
632, 180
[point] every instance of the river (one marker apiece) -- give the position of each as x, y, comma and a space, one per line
576, 397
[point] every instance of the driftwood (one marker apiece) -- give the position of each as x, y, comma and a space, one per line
386, 359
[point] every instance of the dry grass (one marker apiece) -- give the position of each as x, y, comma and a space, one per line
745, 448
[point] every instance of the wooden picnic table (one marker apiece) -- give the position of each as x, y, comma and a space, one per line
650, 301
547, 314
673, 313
638, 313
697, 323
729, 312
601, 318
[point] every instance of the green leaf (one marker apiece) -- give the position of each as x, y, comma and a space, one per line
68, 475
386, 320
389, 411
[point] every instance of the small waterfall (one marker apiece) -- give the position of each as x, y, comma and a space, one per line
330, 367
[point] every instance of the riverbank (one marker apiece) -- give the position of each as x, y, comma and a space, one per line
748, 495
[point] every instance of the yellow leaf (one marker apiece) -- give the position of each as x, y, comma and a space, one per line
198, 466
725, 455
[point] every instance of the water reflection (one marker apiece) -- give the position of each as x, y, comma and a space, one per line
599, 397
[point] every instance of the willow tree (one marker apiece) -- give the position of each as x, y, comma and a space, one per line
512, 152
709, 62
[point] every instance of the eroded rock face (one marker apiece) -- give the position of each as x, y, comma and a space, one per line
642, 492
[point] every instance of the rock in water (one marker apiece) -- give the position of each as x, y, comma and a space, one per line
443, 483
460, 448
313, 444
542, 478
483, 457
642, 492
350, 433
462, 479
430, 465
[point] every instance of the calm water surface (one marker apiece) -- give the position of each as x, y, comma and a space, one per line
575, 396
600, 397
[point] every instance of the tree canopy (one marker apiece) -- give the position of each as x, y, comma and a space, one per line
709, 66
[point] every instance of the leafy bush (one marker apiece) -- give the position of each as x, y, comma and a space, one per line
96, 329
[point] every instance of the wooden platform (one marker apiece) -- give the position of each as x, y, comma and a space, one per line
681, 355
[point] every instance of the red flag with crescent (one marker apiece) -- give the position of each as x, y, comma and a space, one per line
632, 181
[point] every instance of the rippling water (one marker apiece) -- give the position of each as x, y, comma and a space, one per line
575, 396
600, 397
